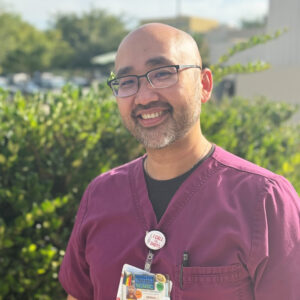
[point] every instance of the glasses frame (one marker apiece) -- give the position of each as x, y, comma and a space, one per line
178, 67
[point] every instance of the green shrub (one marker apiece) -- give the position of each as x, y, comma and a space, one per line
51, 146
258, 131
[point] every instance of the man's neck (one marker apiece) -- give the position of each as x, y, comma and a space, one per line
178, 158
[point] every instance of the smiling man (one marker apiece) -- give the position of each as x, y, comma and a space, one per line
215, 225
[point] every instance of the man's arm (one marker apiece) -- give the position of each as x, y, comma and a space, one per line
275, 258
74, 270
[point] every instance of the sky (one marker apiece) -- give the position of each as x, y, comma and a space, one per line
40, 13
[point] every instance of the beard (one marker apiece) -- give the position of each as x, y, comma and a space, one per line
176, 125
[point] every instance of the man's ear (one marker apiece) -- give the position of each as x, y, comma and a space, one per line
207, 85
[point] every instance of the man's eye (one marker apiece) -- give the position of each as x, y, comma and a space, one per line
126, 82
162, 74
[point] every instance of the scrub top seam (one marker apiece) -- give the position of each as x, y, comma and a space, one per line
255, 230
272, 176
140, 215
188, 195
84, 214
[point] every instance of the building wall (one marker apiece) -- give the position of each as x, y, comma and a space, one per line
223, 38
282, 81
278, 84
284, 14
285, 50
202, 25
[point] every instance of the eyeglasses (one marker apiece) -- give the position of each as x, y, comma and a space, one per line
159, 78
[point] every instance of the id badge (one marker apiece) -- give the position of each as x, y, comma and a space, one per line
138, 284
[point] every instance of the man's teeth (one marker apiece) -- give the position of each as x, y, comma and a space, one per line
151, 116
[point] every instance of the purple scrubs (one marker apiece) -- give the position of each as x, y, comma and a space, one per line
238, 222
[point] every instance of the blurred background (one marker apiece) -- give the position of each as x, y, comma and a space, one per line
45, 45
60, 126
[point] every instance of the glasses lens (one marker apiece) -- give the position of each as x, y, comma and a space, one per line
125, 86
163, 77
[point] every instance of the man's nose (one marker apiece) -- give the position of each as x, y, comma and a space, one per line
146, 93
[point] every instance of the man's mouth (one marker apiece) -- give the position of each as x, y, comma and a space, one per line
151, 116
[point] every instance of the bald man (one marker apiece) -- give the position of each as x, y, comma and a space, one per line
220, 227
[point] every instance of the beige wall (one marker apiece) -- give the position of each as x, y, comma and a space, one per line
277, 84
284, 14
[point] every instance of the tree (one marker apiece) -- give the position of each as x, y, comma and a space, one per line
24, 48
95, 32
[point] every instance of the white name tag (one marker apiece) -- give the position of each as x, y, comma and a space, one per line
138, 284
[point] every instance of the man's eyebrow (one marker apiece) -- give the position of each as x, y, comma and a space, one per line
124, 71
151, 62
159, 60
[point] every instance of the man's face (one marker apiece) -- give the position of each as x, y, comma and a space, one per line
131, 290
158, 117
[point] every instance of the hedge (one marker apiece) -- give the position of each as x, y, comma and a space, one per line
52, 145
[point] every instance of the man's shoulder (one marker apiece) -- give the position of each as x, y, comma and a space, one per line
238, 164
249, 176
119, 173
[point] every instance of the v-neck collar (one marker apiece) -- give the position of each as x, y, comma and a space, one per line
182, 196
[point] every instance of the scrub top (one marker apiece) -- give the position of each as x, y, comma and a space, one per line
238, 222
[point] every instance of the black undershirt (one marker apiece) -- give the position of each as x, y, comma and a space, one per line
161, 191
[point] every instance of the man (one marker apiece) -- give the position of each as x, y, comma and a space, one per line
131, 293
231, 229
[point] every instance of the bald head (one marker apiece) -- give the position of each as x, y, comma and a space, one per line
157, 40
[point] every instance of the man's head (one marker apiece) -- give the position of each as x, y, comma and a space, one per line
131, 290
160, 116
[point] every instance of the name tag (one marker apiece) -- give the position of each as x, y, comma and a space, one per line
139, 284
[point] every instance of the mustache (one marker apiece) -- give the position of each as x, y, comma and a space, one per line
153, 104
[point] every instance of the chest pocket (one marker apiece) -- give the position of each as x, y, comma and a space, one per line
215, 283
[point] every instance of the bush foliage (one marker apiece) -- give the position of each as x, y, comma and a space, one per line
51, 146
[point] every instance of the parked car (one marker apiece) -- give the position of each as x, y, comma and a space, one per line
3, 83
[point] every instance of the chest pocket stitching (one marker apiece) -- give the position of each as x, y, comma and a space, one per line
214, 275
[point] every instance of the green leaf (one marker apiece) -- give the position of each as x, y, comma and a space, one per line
32, 248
